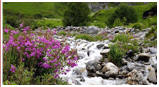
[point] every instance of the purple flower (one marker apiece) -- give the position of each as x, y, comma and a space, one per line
32, 54
26, 28
21, 25
48, 30
45, 59
66, 49
18, 48
53, 61
28, 43
54, 31
75, 58
6, 30
12, 69
56, 70
14, 32
73, 64
32, 34
46, 66
56, 76
67, 70
23, 59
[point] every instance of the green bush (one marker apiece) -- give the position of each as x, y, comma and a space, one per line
115, 54
47, 23
85, 37
117, 22
38, 16
138, 26
123, 12
152, 32
119, 49
47, 79
122, 38
62, 33
98, 24
22, 76
76, 14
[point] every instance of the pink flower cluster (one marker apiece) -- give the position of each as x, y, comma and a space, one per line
33, 46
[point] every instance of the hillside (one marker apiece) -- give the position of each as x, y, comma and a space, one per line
30, 9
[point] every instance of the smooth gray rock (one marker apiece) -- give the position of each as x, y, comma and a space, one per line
152, 75
110, 69
92, 30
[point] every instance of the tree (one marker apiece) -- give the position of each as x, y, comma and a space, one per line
76, 14
125, 13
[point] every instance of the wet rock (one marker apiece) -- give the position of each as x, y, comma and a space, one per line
83, 49
93, 66
88, 53
105, 52
152, 75
143, 57
90, 74
100, 46
124, 62
130, 66
82, 79
92, 30
153, 50
130, 53
98, 67
90, 66
155, 67
117, 31
105, 60
135, 77
110, 69
77, 71
76, 82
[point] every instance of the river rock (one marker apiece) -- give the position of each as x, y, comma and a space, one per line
130, 66
110, 69
135, 77
100, 46
153, 50
130, 53
93, 66
105, 52
90, 66
152, 75
92, 30
143, 57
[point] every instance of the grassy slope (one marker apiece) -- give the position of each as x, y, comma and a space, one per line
101, 16
30, 9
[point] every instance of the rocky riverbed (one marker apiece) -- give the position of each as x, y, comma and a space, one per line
94, 68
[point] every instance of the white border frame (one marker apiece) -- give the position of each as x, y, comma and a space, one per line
75, 1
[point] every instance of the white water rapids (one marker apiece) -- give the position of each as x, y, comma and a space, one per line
78, 74
83, 47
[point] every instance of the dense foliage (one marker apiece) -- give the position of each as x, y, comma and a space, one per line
35, 54
125, 13
76, 14
122, 44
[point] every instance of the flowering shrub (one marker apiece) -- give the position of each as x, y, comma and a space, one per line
37, 50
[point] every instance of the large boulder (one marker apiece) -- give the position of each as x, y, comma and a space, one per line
110, 69
152, 77
135, 77
92, 30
